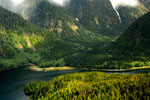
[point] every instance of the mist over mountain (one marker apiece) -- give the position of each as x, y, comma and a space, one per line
105, 17
101, 16
96, 15
120, 3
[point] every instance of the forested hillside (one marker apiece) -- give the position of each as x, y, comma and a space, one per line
130, 14
32, 43
57, 20
20, 38
135, 40
47, 46
54, 36
131, 49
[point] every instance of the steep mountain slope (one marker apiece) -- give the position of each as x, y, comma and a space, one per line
14, 28
135, 40
18, 38
146, 3
100, 17
129, 14
96, 15
57, 20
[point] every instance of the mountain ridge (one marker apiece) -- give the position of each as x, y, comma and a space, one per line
135, 39
103, 17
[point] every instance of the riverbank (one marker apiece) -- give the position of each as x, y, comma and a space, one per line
117, 70
35, 68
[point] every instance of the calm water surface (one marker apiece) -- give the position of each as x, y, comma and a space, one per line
12, 82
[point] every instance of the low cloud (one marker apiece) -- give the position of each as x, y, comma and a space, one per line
118, 3
115, 3
60, 2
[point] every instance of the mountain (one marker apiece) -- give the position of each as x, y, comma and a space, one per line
130, 14
47, 46
19, 38
99, 16
13, 28
96, 15
130, 50
54, 36
57, 20
135, 40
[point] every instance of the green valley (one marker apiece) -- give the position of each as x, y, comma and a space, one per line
131, 49
52, 36
45, 47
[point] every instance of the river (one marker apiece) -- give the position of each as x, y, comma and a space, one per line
12, 82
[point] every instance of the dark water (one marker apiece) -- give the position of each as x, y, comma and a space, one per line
12, 82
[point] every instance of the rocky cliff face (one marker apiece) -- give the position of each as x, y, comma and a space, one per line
96, 15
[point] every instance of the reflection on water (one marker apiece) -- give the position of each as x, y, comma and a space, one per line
12, 82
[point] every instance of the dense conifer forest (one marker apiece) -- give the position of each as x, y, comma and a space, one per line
91, 86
